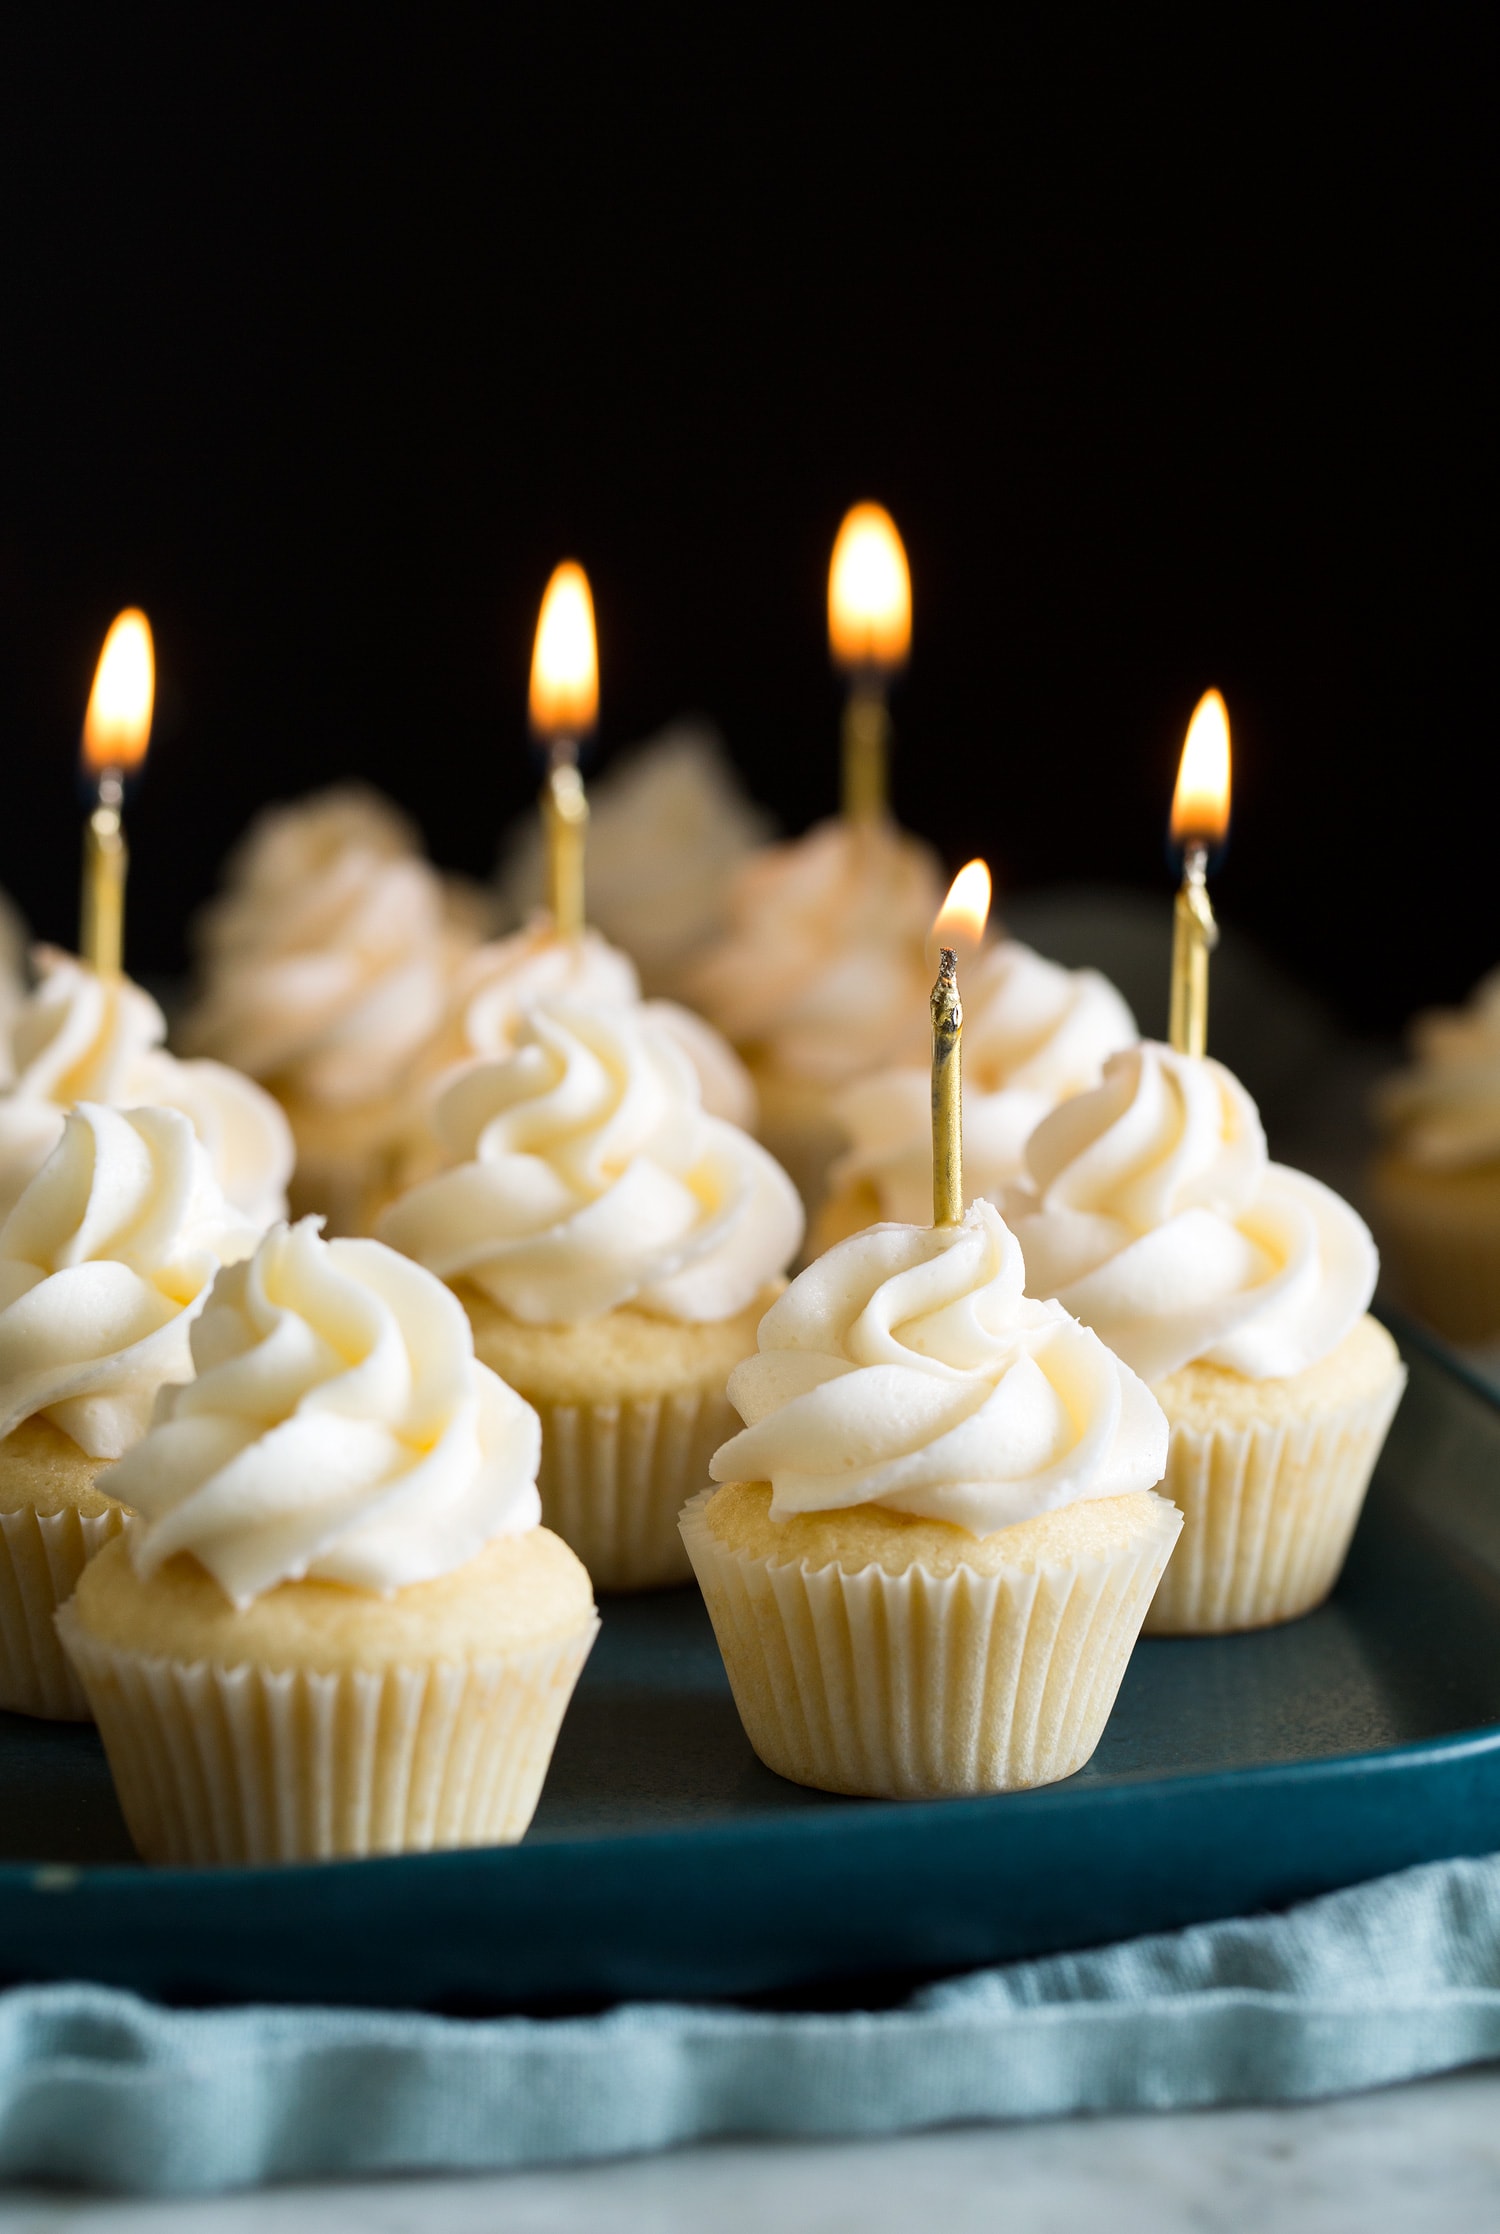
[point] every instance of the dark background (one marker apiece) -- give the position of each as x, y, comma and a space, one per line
1161, 334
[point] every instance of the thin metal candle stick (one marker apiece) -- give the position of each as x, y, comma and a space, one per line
565, 813
1195, 934
947, 1095
867, 748
106, 858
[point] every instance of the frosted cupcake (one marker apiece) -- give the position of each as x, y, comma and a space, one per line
105, 1261
937, 1538
336, 1628
1033, 1035
669, 825
822, 977
79, 1037
615, 1247
1238, 1290
1435, 1189
325, 966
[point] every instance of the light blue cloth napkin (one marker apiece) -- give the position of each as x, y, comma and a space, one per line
1383, 1982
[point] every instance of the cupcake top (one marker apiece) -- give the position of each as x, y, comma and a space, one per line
1034, 1033
1151, 1210
668, 827
338, 1426
587, 1174
327, 960
105, 1261
80, 1037
823, 972
906, 1368
1444, 1112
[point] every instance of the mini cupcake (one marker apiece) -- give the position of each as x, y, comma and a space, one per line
336, 1627
822, 977
105, 1261
669, 825
81, 1037
325, 966
936, 1539
615, 1247
1238, 1290
1435, 1189
1033, 1035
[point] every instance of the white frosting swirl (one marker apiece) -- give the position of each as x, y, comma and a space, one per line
1034, 1033
105, 1261
1151, 1211
80, 1037
824, 971
905, 1368
327, 961
339, 1427
668, 827
1444, 1112
588, 1175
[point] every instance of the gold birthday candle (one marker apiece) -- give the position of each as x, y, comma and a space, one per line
1200, 819
116, 732
961, 918
869, 634
564, 708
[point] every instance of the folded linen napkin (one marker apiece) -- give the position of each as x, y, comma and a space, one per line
1386, 1981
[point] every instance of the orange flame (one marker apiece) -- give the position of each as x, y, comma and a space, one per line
565, 659
963, 915
117, 726
1200, 803
869, 591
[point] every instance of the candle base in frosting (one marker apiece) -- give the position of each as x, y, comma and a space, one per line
52, 1521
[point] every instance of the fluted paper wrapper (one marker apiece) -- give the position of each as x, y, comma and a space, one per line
917, 1686
42, 1556
615, 1477
1268, 1511
249, 1764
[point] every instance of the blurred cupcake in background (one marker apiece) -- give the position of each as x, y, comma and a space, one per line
669, 825
79, 1037
324, 966
615, 1246
1435, 1186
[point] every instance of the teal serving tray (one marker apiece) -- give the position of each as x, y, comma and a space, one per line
1235, 1774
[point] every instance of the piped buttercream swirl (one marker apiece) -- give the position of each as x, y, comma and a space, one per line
906, 1368
338, 1427
586, 1174
1444, 1112
1151, 1209
80, 1037
1034, 1033
105, 1261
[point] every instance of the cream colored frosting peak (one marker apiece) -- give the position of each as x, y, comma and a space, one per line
823, 971
906, 1368
1034, 1033
1151, 1210
105, 1260
80, 1037
1444, 1111
339, 1427
588, 1175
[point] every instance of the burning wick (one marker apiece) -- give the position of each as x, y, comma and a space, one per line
869, 634
962, 918
564, 708
1200, 818
116, 732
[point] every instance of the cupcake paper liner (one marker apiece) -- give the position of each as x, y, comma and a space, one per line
918, 1686
1268, 1511
248, 1764
42, 1556
614, 1478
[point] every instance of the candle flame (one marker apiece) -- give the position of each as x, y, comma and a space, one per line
869, 591
565, 660
117, 726
963, 915
1200, 803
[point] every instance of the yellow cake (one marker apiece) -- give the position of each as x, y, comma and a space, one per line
52, 1521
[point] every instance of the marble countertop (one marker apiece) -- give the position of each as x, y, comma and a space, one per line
1409, 2161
